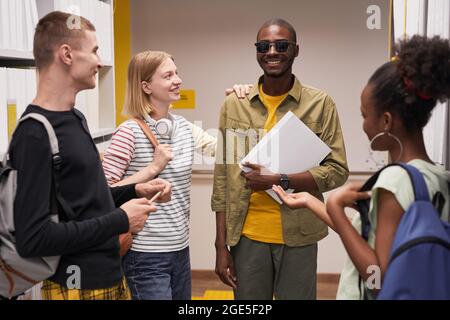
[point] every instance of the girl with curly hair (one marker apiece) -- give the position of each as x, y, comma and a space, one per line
396, 104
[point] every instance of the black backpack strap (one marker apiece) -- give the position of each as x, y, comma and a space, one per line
420, 193
448, 190
57, 198
438, 202
363, 209
364, 205
448, 217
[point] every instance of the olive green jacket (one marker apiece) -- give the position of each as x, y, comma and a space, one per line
241, 126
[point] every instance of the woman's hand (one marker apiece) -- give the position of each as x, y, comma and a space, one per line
241, 90
293, 200
163, 155
347, 196
305, 200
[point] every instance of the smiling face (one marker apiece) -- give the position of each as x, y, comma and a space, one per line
276, 64
86, 62
164, 87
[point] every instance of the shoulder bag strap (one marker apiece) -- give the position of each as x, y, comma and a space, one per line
147, 131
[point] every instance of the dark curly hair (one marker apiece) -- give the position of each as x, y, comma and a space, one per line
411, 85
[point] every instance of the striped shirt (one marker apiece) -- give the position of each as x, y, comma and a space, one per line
167, 229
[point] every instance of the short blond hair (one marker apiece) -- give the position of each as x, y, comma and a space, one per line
142, 67
52, 31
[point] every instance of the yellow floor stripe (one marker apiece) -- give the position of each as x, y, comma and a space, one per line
216, 295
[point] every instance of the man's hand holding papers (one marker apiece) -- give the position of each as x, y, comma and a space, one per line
259, 178
289, 148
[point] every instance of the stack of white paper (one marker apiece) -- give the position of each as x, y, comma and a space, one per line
18, 19
5, 32
104, 23
290, 147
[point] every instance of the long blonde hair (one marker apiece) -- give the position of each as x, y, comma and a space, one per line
142, 67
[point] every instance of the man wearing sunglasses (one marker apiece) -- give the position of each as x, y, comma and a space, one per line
273, 249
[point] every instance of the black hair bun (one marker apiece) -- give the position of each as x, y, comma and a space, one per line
424, 63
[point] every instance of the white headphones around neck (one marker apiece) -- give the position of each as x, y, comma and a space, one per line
164, 127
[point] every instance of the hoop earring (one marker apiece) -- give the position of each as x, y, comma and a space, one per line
393, 136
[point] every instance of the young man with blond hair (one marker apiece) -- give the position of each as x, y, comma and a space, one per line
67, 63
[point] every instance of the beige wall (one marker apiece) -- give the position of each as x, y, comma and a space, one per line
212, 42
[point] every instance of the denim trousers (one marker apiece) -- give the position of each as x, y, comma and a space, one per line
158, 276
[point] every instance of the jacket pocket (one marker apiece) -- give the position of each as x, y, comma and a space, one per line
240, 139
310, 224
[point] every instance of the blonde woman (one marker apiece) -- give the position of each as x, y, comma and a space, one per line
158, 264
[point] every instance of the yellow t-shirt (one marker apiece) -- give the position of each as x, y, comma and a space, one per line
263, 221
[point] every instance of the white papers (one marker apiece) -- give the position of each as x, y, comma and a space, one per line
29, 25
290, 147
18, 19
4, 25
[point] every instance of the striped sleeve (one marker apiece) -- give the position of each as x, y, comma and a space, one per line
118, 156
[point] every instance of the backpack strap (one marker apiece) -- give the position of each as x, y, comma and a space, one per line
147, 131
48, 127
56, 165
364, 205
420, 193
448, 217
418, 184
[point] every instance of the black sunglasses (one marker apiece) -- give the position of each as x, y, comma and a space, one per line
280, 45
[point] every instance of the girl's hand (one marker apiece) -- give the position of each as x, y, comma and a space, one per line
348, 195
293, 200
163, 154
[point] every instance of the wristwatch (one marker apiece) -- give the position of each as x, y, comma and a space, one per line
284, 182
